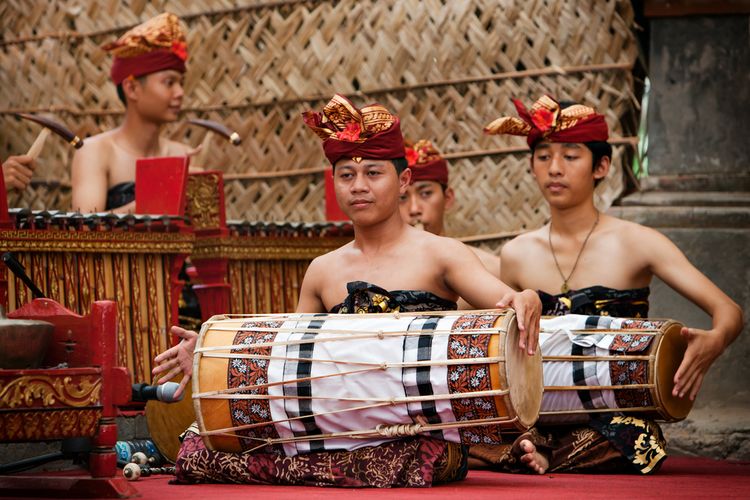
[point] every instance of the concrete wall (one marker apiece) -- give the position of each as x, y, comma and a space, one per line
699, 114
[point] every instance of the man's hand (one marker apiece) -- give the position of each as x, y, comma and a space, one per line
528, 309
704, 346
177, 359
17, 171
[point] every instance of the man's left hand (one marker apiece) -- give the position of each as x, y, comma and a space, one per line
704, 346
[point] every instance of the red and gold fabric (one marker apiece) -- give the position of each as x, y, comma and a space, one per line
547, 121
426, 163
156, 45
372, 132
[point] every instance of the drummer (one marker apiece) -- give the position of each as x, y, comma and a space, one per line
570, 261
148, 70
390, 266
429, 196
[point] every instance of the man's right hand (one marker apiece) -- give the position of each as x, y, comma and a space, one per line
17, 171
177, 359
528, 309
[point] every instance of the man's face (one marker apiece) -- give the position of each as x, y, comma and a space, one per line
368, 192
425, 203
158, 96
565, 173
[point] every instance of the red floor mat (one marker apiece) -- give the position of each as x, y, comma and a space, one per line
680, 477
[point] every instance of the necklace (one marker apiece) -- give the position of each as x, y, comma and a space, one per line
565, 288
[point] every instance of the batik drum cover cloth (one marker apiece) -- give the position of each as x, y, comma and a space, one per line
589, 361
318, 375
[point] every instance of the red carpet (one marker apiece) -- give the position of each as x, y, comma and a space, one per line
680, 477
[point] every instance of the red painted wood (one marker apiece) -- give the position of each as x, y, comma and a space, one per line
89, 345
161, 185
333, 210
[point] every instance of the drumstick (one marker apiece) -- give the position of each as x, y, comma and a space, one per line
212, 126
49, 126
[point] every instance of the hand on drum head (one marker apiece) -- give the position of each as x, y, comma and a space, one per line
704, 346
177, 359
528, 309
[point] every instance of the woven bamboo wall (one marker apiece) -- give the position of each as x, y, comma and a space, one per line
446, 67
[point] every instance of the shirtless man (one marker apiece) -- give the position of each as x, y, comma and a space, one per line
603, 263
429, 196
148, 69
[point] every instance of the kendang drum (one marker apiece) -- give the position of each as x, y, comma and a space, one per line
299, 383
601, 364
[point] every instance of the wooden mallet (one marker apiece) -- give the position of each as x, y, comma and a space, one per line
218, 128
49, 126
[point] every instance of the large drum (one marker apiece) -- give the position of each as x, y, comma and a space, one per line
596, 364
301, 383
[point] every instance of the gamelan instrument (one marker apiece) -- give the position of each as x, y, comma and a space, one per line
601, 364
77, 259
300, 383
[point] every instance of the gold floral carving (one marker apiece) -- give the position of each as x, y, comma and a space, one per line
50, 391
19, 240
249, 248
42, 425
203, 201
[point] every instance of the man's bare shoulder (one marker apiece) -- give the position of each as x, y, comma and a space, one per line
99, 142
630, 233
95, 150
490, 260
331, 258
524, 243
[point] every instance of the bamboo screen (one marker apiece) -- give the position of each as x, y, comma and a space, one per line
446, 67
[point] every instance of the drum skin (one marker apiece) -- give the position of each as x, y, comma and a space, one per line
669, 355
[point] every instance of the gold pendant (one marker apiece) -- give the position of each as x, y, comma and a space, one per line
565, 288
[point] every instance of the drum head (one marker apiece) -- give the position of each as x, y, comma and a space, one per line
524, 374
669, 355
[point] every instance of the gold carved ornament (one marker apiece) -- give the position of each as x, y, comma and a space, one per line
42, 390
203, 201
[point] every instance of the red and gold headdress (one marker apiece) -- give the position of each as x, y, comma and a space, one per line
546, 120
347, 132
426, 163
155, 45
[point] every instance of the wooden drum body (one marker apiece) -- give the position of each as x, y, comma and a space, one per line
599, 364
301, 383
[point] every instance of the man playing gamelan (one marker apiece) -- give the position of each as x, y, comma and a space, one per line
148, 70
414, 270
586, 262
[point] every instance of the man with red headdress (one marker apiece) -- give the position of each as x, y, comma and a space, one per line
148, 70
366, 149
586, 262
429, 196
390, 266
